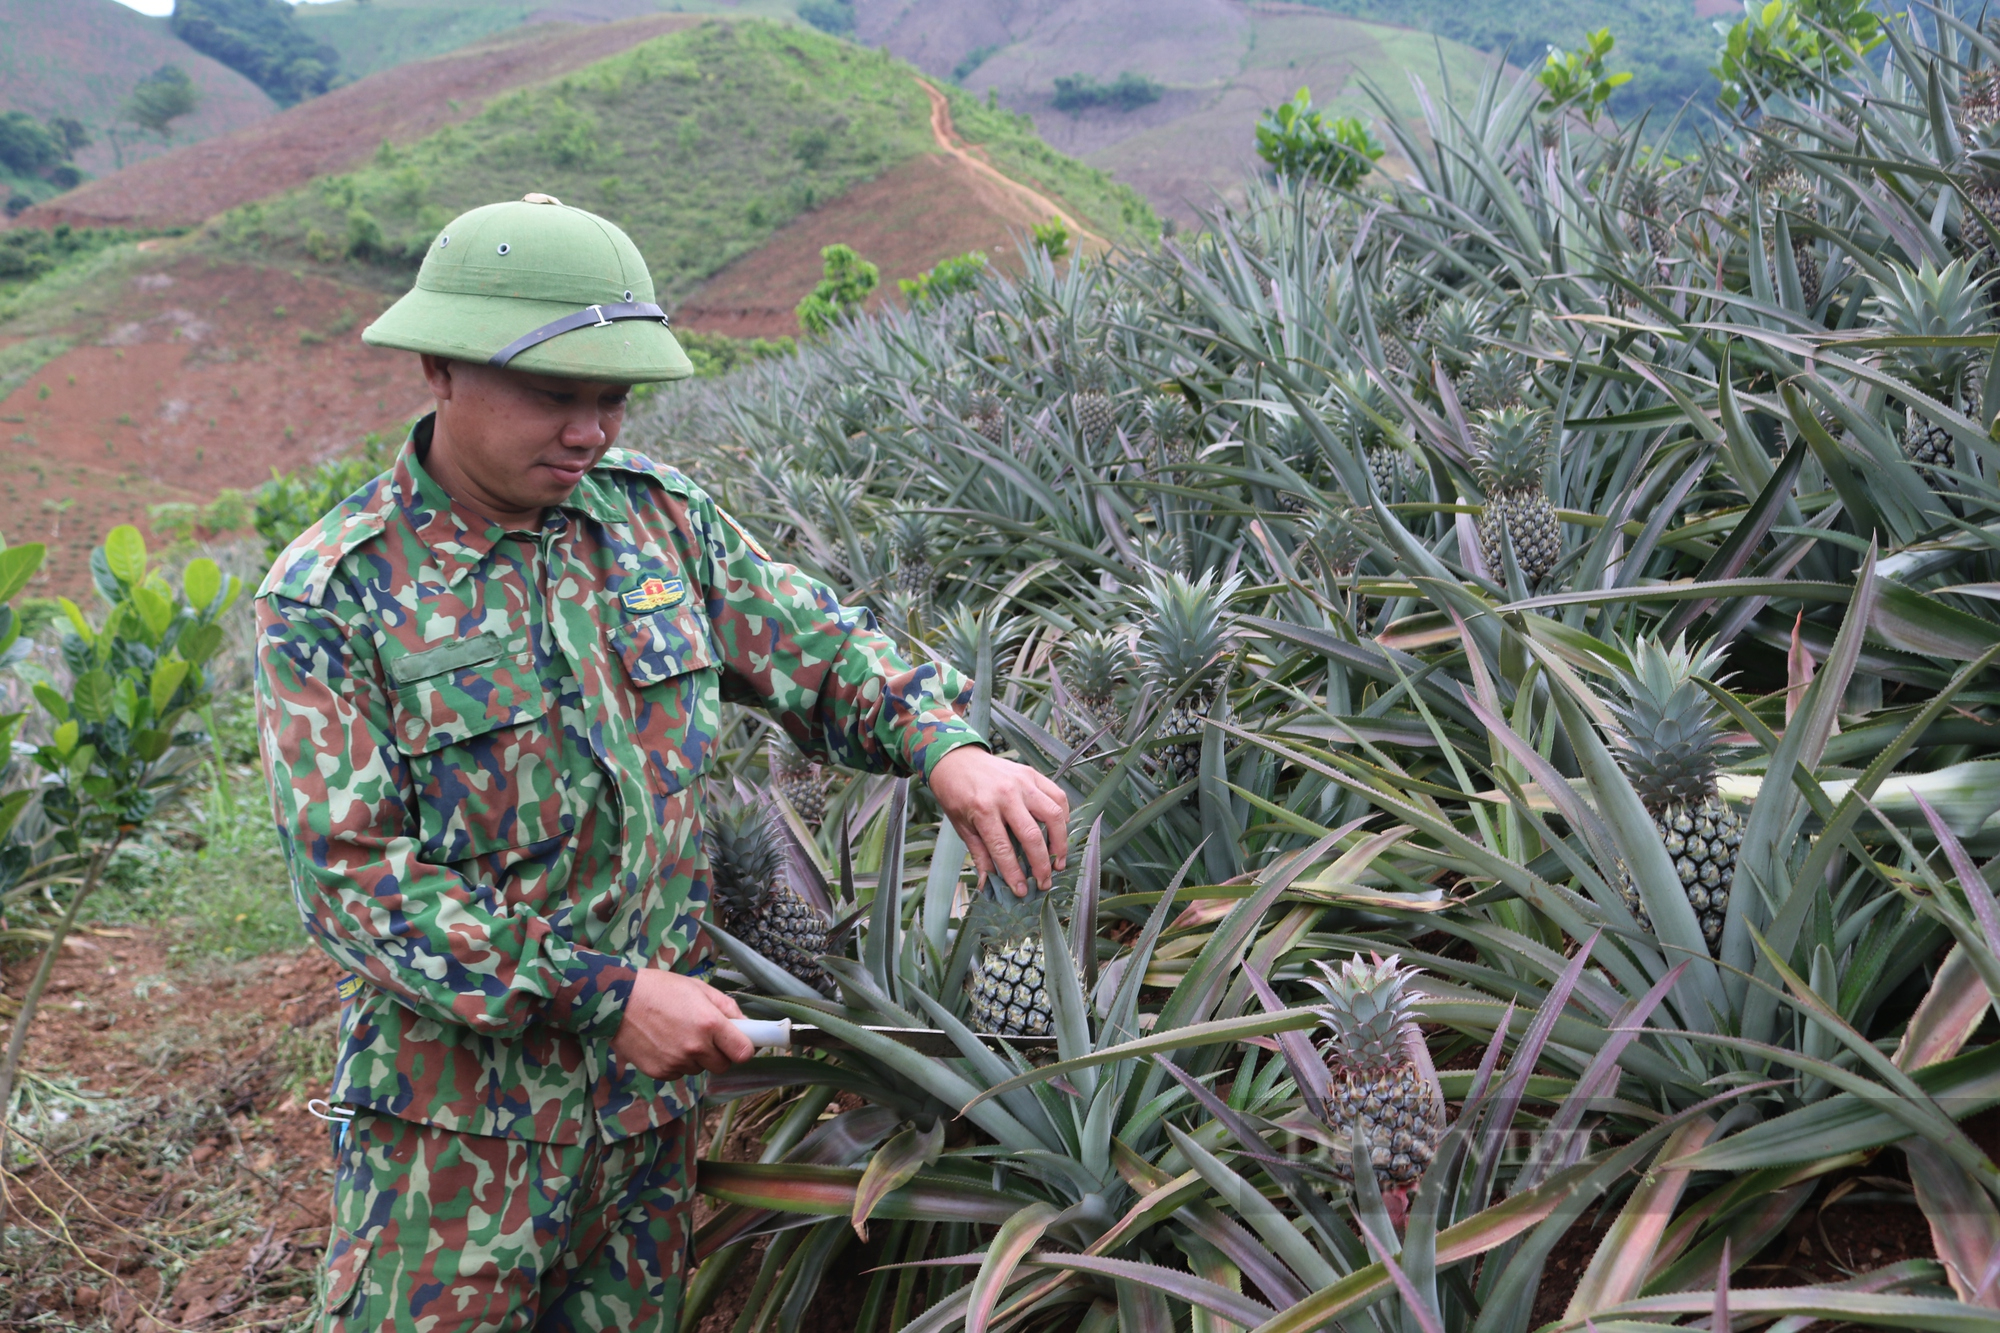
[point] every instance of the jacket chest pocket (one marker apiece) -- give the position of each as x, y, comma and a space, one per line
483, 753
670, 663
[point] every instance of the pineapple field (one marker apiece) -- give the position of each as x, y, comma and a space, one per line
1520, 643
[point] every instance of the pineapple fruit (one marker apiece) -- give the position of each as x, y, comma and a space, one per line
1185, 633
1513, 445
1379, 1094
1008, 987
1930, 302
1091, 667
1169, 432
987, 415
797, 778
910, 543
1091, 401
756, 905
1668, 742
1979, 99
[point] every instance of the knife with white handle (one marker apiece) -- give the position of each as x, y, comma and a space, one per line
783, 1034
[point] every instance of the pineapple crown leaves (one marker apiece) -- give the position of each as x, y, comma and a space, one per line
1931, 303
1668, 739
1185, 626
910, 536
1368, 1010
1095, 663
957, 639
784, 758
744, 857
1167, 419
1455, 331
996, 916
1772, 169
1362, 407
1512, 447
1497, 378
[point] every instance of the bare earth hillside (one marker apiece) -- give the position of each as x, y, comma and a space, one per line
81, 58
340, 130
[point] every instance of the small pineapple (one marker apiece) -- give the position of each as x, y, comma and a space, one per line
1091, 668
987, 415
910, 542
1982, 197
1009, 986
1169, 431
1669, 743
1455, 332
1335, 540
1806, 260
797, 778
1185, 633
1774, 174
1494, 380
1379, 1093
1979, 99
1394, 332
1092, 401
1513, 445
757, 906
1933, 303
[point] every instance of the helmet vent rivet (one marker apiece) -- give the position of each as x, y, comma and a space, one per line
443, 241
628, 296
504, 247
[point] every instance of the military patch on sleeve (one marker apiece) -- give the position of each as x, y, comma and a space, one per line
655, 595
348, 987
755, 548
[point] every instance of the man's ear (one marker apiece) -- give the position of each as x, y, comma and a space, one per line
437, 373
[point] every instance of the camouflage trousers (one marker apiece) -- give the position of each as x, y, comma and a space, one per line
441, 1232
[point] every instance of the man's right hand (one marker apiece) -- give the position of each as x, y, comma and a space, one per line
675, 1026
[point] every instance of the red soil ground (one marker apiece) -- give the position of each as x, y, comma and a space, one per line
207, 377
340, 130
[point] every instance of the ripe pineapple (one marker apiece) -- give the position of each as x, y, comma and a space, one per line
1009, 987
1513, 445
1185, 633
1092, 401
798, 779
747, 871
1669, 743
1092, 666
1379, 1094
1928, 302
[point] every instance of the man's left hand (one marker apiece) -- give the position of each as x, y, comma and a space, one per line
986, 798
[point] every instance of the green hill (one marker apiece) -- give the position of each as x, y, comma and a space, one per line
701, 144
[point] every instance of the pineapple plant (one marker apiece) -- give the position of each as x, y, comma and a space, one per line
1091, 401
910, 544
1513, 446
797, 778
1185, 633
1091, 667
1334, 541
1979, 99
1008, 987
1389, 1106
755, 904
987, 416
1455, 332
1933, 303
1493, 380
1668, 740
1169, 431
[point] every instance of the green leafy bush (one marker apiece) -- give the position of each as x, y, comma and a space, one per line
160, 99
835, 17
289, 503
1782, 46
1577, 79
951, 277
847, 283
1299, 140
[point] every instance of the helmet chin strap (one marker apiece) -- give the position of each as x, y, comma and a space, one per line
593, 316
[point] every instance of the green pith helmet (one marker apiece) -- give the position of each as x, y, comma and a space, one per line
536, 286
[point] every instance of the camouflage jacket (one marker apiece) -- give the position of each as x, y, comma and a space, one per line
485, 750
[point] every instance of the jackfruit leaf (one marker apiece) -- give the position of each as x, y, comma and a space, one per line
94, 695
125, 553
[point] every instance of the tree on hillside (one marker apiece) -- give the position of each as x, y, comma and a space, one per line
847, 282
161, 98
26, 146
261, 40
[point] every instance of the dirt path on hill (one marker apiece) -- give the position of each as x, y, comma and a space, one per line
948, 141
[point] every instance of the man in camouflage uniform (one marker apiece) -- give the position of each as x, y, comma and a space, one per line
488, 686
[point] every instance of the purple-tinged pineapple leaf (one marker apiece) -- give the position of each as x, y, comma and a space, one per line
1617, 1272
1011, 1243
894, 1165
1185, 1287
1964, 1223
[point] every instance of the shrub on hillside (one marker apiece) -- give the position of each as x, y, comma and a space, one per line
261, 40
26, 145
291, 502
951, 277
1301, 141
848, 281
1128, 92
829, 16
